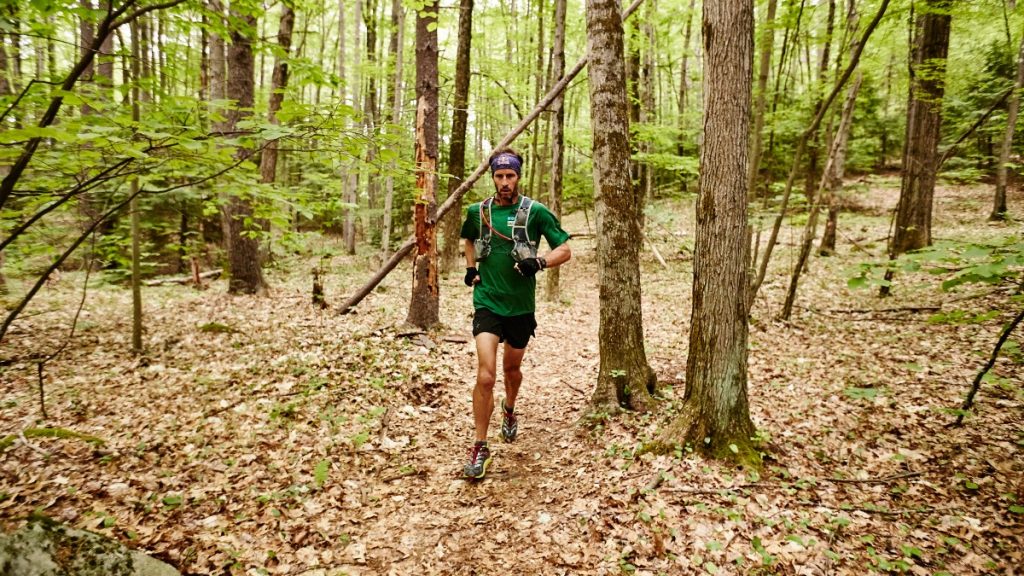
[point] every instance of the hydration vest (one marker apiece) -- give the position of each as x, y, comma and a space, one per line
519, 232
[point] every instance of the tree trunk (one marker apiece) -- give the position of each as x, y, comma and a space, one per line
457, 147
371, 116
999, 202
278, 85
243, 248
557, 137
131, 74
395, 106
913, 228
625, 378
684, 81
811, 178
764, 67
715, 417
423, 306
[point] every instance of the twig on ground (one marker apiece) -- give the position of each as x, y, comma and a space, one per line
969, 401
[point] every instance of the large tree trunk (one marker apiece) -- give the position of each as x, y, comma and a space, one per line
278, 85
243, 249
423, 306
715, 417
557, 136
457, 146
350, 180
764, 67
999, 201
625, 378
913, 228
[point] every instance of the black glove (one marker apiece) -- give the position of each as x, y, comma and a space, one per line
530, 266
471, 274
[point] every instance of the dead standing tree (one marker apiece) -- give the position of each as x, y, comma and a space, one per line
424, 305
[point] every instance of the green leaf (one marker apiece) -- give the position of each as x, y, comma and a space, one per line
1017, 509
735, 449
172, 500
861, 393
321, 471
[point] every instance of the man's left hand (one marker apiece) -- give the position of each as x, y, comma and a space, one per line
530, 266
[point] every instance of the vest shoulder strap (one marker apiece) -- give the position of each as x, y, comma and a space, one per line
519, 230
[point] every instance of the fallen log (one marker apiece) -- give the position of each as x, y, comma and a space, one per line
190, 279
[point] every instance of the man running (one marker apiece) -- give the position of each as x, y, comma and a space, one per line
501, 236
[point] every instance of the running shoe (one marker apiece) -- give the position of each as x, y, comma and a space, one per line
479, 458
509, 424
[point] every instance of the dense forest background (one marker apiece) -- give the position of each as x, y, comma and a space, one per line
787, 342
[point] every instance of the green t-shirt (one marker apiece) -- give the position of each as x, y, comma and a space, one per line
502, 289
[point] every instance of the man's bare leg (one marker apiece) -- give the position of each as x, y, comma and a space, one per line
511, 363
483, 392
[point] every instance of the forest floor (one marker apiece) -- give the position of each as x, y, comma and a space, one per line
266, 436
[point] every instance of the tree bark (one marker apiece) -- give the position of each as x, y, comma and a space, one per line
715, 416
913, 228
457, 146
424, 303
999, 201
552, 287
625, 378
243, 248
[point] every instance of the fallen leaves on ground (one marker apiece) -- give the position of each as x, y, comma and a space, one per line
297, 441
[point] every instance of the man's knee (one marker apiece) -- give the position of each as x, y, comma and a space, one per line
512, 371
486, 377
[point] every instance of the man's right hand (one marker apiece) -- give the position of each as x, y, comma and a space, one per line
471, 276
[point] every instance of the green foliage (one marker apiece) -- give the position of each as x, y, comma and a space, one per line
957, 263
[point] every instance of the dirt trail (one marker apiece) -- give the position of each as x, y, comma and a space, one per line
521, 518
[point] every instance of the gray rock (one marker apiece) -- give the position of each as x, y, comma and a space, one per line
44, 547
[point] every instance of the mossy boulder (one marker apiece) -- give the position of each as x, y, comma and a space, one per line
44, 547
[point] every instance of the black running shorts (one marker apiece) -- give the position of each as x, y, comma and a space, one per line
516, 330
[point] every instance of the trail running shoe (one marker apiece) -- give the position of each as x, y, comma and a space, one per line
479, 458
509, 424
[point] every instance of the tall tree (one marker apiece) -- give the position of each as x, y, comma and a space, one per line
424, 303
243, 248
557, 136
913, 227
457, 143
999, 200
394, 99
715, 418
278, 85
625, 378
767, 46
